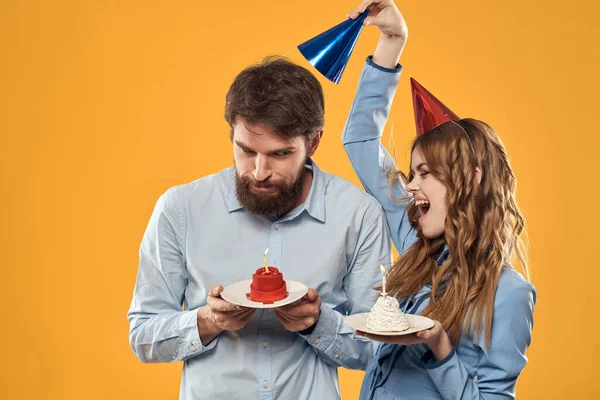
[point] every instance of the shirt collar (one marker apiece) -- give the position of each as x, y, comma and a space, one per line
444, 256
234, 203
314, 203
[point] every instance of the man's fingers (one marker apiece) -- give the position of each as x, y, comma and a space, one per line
301, 300
246, 312
280, 314
220, 305
242, 322
296, 323
283, 317
236, 314
216, 290
303, 310
284, 321
312, 295
232, 320
309, 321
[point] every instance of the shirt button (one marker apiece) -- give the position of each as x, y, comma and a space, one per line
265, 344
276, 226
317, 341
173, 358
194, 348
265, 384
337, 356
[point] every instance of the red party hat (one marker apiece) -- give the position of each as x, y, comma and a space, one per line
429, 111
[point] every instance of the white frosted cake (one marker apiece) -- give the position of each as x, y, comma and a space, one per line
386, 316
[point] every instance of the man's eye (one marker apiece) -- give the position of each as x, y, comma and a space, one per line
283, 153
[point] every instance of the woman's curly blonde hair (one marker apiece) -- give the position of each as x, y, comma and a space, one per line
483, 228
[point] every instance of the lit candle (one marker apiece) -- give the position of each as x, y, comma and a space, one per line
383, 280
265, 261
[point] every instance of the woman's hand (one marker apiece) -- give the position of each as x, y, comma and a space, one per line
436, 338
385, 15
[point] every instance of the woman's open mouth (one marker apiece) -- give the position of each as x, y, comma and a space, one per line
423, 207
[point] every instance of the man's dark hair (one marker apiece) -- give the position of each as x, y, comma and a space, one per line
283, 96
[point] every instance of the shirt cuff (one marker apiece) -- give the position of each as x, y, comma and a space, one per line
448, 375
309, 330
384, 69
190, 344
431, 363
322, 333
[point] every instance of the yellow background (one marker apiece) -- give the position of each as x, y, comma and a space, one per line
106, 104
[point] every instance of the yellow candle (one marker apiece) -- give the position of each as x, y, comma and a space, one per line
265, 261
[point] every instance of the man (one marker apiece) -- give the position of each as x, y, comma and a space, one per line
319, 229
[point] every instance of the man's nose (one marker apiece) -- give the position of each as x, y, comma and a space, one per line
261, 168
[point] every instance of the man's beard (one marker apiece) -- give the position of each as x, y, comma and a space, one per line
275, 203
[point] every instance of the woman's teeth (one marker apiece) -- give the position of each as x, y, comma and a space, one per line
423, 206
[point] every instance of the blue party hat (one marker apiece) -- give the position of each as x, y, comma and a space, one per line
329, 52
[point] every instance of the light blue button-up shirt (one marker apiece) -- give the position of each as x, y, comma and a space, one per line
472, 370
199, 236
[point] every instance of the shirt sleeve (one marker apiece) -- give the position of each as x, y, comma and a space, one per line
501, 363
331, 338
369, 158
160, 330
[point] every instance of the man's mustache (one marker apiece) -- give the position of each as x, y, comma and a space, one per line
259, 184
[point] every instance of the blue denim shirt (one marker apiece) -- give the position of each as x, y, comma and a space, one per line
199, 236
472, 370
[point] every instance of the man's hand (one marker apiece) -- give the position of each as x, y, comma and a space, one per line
302, 314
220, 315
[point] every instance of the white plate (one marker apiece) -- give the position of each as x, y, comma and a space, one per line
417, 322
236, 294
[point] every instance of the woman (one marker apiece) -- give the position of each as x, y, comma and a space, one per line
455, 222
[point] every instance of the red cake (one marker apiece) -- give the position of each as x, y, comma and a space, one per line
267, 287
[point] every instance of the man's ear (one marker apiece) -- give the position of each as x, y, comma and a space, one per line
314, 142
